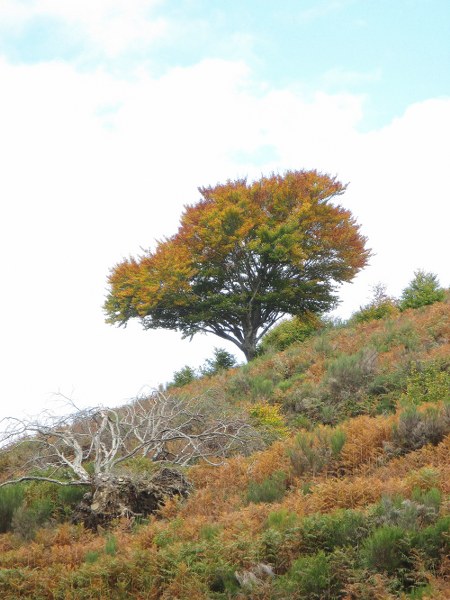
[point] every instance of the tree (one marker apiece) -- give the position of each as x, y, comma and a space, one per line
424, 289
243, 256
88, 448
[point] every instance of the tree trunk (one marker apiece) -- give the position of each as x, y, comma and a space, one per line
249, 345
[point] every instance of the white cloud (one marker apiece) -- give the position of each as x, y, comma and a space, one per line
113, 26
94, 167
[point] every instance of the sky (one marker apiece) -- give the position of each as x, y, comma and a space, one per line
114, 112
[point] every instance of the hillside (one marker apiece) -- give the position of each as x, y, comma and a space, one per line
349, 498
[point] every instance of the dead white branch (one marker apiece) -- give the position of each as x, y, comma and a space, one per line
87, 445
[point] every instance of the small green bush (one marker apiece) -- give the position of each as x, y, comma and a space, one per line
434, 541
91, 557
424, 289
309, 578
416, 429
27, 519
11, 498
281, 520
388, 550
221, 361
312, 452
289, 332
111, 545
183, 377
270, 489
327, 532
348, 375
396, 333
379, 307
427, 383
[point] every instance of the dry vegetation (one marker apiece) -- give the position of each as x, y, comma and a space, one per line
349, 499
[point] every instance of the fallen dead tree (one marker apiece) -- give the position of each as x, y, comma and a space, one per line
94, 448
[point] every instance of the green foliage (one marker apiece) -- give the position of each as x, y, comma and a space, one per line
91, 557
396, 333
416, 429
268, 417
271, 489
428, 383
327, 532
289, 332
380, 307
410, 514
11, 498
27, 519
183, 376
312, 452
388, 550
348, 376
434, 540
309, 578
111, 545
281, 519
221, 361
424, 289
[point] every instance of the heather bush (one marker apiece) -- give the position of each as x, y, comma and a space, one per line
417, 428
11, 498
348, 376
330, 531
410, 514
388, 549
309, 578
312, 452
271, 489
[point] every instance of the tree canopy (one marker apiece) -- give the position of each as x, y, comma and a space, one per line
244, 255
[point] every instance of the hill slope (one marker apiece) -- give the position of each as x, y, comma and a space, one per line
349, 499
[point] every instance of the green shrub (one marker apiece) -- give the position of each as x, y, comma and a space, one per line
379, 307
416, 429
289, 332
348, 375
424, 289
396, 333
327, 532
427, 383
409, 514
310, 577
270, 490
27, 519
183, 376
91, 557
388, 550
221, 361
281, 519
261, 387
313, 451
434, 541
111, 545
11, 498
